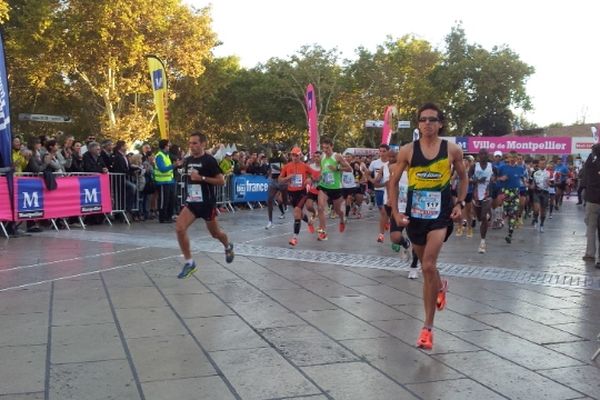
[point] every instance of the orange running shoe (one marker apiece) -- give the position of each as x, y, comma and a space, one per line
441, 297
387, 226
342, 226
425, 340
293, 241
380, 238
311, 228
322, 235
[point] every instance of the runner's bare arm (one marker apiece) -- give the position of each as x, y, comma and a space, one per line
402, 162
342, 161
456, 157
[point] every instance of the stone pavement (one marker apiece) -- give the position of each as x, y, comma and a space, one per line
99, 314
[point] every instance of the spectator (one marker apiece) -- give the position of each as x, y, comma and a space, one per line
64, 156
165, 181
20, 155
53, 164
124, 184
76, 158
592, 199
92, 161
226, 164
146, 152
35, 164
106, 153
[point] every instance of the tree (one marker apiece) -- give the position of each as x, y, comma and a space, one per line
481, 88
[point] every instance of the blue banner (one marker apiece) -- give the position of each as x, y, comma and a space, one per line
249, 188
90, 195
5, 134
463, 143
30, 198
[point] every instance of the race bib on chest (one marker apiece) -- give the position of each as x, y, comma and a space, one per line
195, 194
296, 181
425, 204
348, 180
328, 178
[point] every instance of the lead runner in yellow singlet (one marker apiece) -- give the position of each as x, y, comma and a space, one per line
430, 213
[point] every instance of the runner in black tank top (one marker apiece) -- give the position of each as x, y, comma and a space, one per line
429, 198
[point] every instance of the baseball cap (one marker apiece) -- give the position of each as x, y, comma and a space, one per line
497, 153
296, 150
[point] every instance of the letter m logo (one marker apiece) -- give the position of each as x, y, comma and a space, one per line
30, 194
90, 196
90, 192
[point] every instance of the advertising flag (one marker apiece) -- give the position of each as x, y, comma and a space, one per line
5, 134
388, 125
158, 76
311, 109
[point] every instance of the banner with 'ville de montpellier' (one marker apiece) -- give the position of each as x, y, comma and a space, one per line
74, 196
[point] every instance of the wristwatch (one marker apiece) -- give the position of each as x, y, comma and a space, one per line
204, 178
461, 203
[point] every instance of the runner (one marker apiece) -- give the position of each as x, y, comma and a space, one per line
376, 178
429, 161
330, 186
275, 190
541, 184
481, 177
202, 177
296, 175
511, 175
396, 232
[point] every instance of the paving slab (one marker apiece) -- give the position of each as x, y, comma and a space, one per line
335, 319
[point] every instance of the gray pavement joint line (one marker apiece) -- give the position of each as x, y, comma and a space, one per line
361, 359
134, 372
25, 285
400, 339
71, 259
49, 344
213, 363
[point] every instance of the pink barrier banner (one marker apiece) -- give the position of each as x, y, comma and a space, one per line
311, 109
522, 144
386, 135
73, 196
5, 210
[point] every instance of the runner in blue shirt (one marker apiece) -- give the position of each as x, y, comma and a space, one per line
511, 175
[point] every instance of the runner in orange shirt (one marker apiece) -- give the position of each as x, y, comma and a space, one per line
297, 175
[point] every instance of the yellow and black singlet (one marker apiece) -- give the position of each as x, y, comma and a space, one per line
429, 196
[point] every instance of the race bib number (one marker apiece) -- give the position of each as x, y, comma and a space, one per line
195, 194
348, 180
425, 204
402, 198
296, 181
328, 178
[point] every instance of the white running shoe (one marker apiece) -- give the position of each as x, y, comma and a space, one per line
541, 228
282, 216
481, 249
269, 225
413, 273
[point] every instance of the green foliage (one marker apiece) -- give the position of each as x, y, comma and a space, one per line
86, 59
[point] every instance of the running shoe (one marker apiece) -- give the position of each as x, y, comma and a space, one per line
322, 235
380, 238
342, 226
229, 254
293, 241
482, 248
282, 216
425, 340
396, 247
311, 227
187, 270
459, 230
541, 228
508, 239
269, 225
469, 232
413, 273
387, 227
405, 243
441, 296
